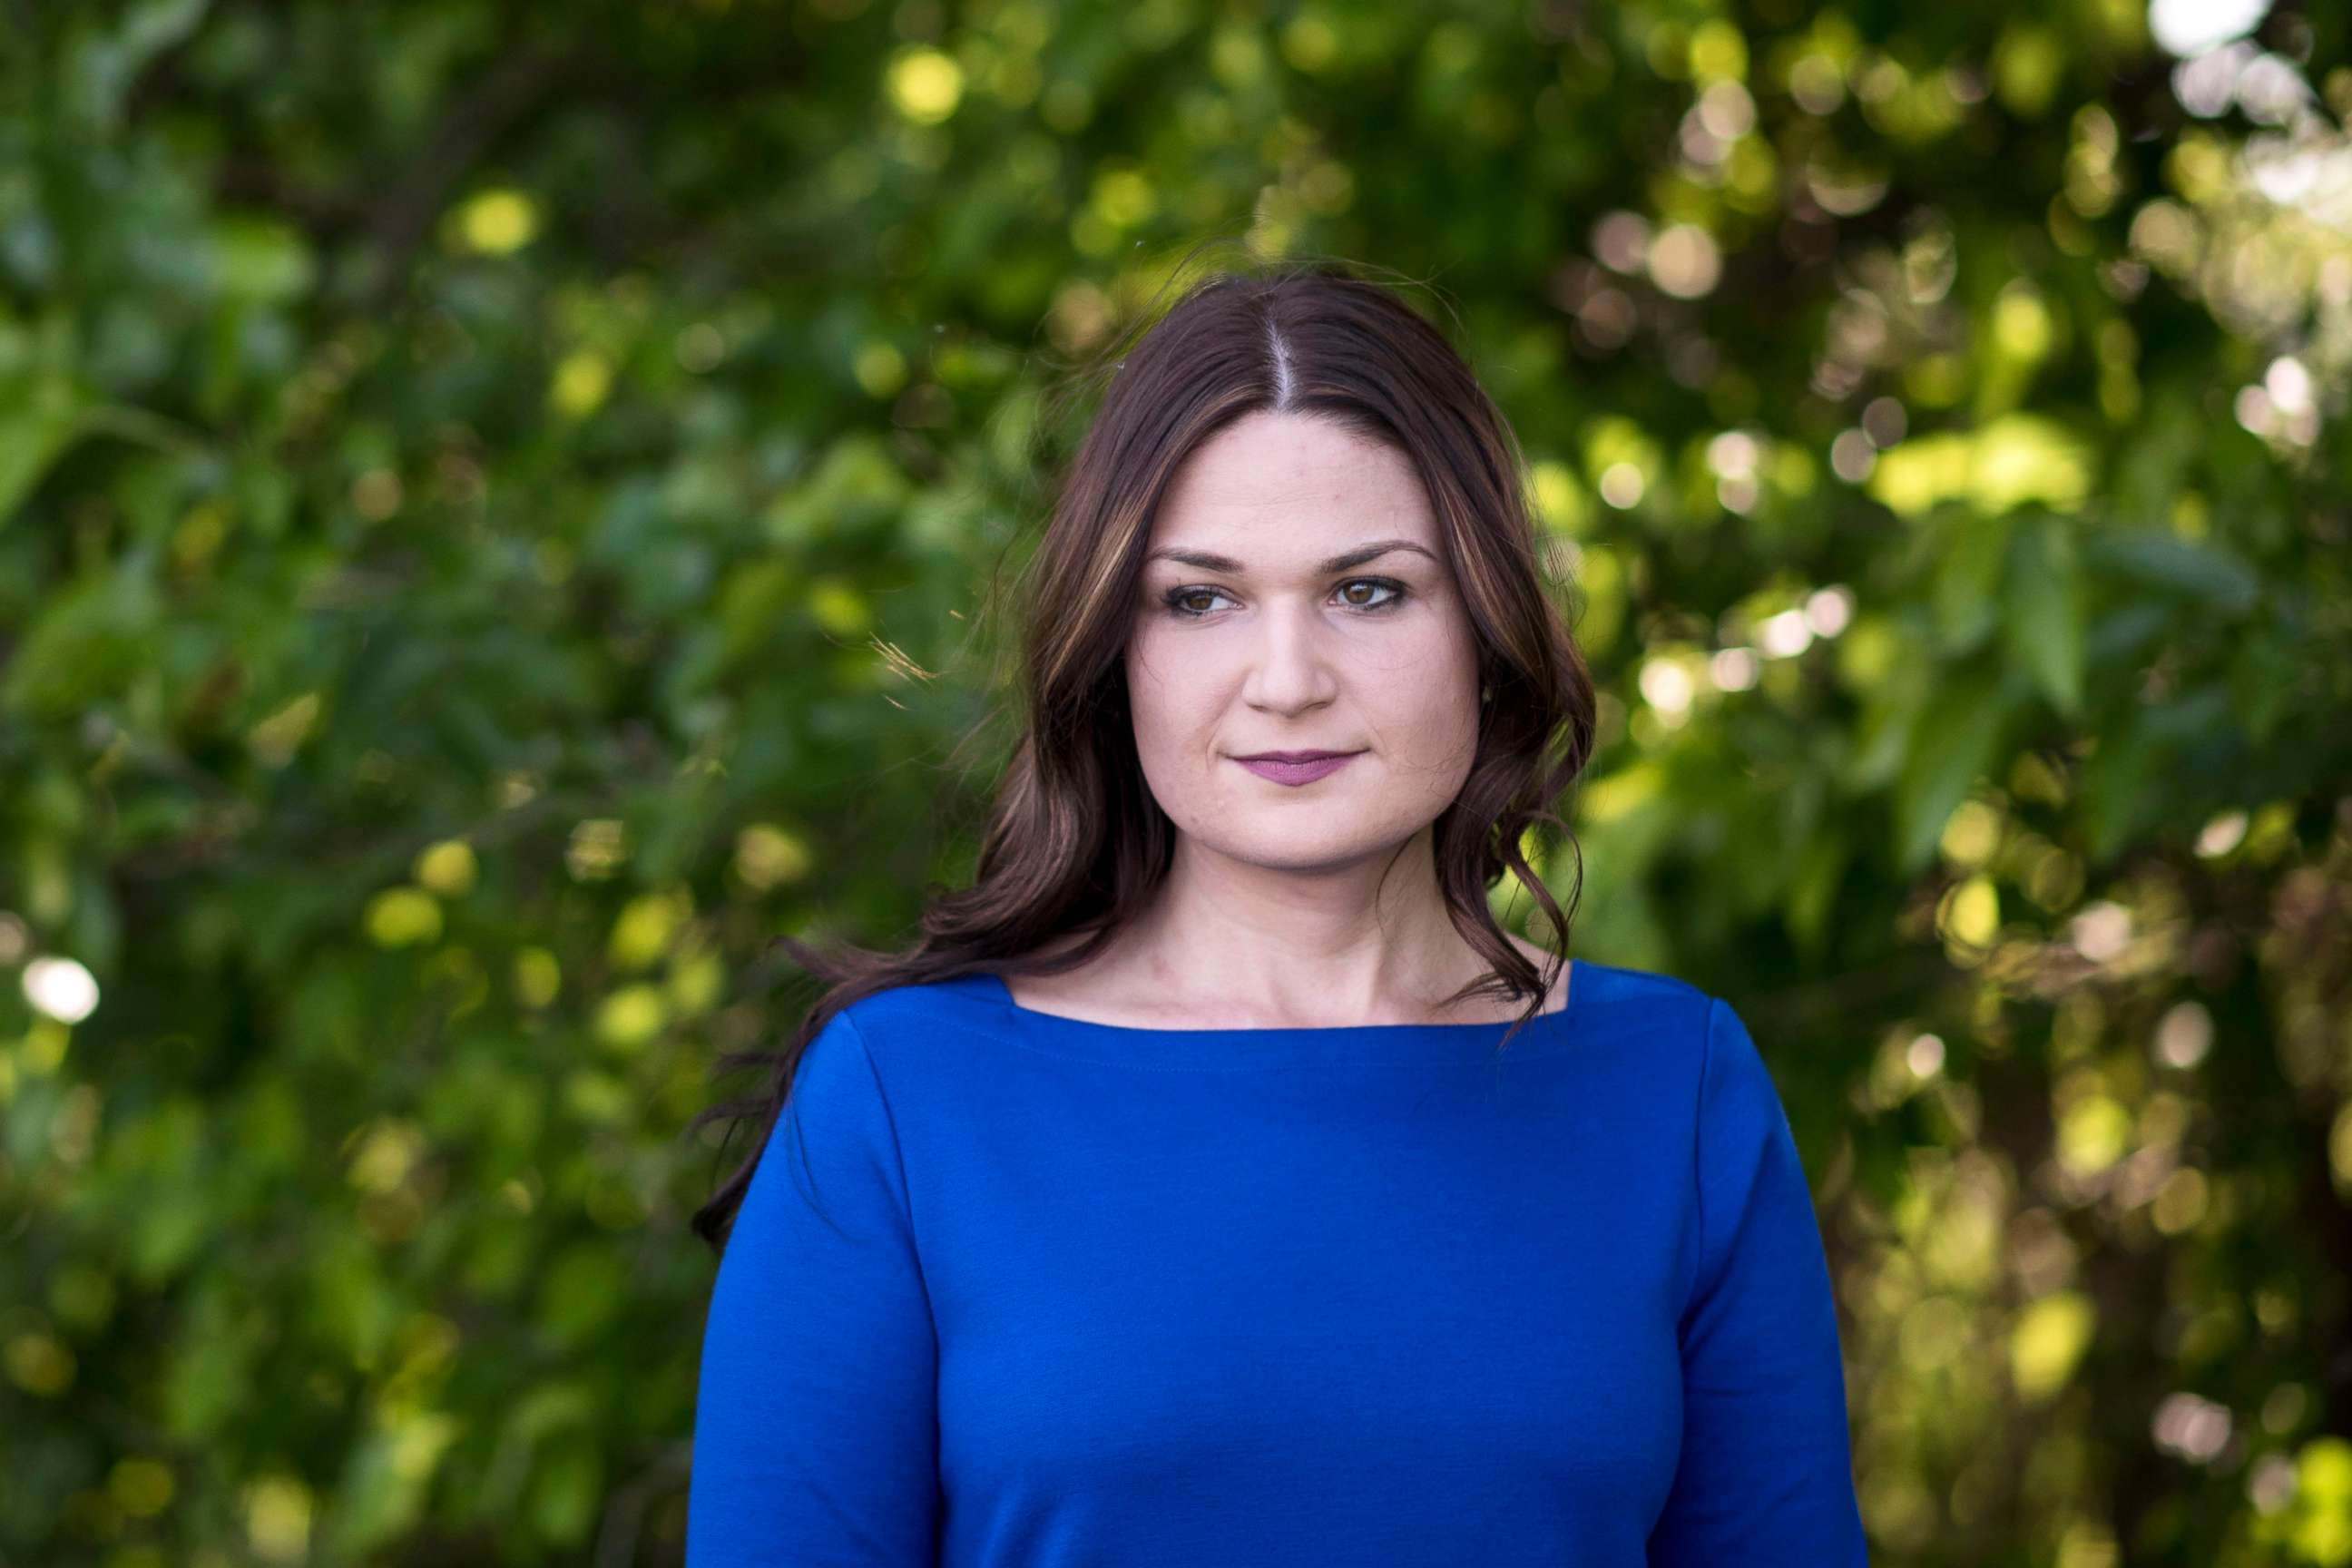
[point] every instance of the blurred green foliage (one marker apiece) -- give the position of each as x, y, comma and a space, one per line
492, 500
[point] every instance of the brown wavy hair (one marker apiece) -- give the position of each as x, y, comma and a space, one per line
1073, 844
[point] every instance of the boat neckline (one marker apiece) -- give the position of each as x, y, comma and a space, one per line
1583, 975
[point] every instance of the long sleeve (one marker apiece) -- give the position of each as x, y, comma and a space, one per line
1766, 1474
816, 1432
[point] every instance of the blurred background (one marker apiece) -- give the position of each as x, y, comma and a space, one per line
497, 510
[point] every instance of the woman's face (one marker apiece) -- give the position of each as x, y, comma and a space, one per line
1262, 642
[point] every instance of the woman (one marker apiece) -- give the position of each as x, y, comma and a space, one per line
1217, 1182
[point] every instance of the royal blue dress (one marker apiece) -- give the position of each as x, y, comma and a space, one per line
1015, 1290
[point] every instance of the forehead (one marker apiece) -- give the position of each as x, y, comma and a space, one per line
1290, 486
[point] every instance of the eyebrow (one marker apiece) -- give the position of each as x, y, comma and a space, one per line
1209, 561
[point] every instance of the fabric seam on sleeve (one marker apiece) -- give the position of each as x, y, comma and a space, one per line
898, 1150
1699, 1150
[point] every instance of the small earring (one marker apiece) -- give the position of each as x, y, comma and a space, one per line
1486, 694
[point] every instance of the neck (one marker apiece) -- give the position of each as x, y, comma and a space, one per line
1367, 939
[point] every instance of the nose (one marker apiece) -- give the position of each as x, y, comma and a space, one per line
1290, 665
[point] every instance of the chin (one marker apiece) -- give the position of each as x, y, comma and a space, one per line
1295, 843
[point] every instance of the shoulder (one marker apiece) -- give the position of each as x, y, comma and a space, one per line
1707, 1039
1645, 988
897, 1009
1739, 1105
850, 1061
900, 1021
1686, 1043
1644, 1005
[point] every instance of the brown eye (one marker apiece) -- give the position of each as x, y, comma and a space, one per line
1178, 601
1396, 592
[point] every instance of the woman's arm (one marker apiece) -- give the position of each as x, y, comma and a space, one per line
1766, 1471
816, 1434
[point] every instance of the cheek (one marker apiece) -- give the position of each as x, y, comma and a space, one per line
1163, 700
1428, 728
1431, 689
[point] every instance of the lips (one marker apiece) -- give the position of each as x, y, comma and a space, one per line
1290, 756
1306, 768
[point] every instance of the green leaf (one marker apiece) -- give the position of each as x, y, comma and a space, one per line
565, 1486
2115, 788
2264, 680
1812, 891
40, 416
261, 260
1882, 734
2204, 570
1958, 738
583, 1287
1968, 580
2043, 613
153, 25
